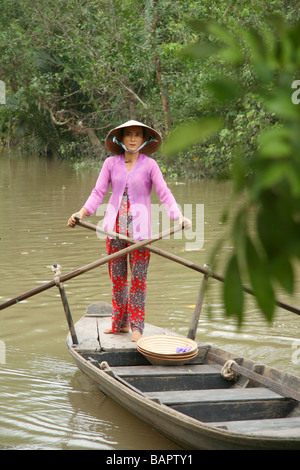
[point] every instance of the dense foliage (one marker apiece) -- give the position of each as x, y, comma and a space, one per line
265, 228
225, 74
73, 69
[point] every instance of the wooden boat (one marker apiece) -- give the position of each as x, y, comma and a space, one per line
215, 401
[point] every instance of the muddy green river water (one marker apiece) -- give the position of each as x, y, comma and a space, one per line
46, 403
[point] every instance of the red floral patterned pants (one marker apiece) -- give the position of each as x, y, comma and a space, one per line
128, 308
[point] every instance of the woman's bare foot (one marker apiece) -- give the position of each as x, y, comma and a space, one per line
136, 335
109, 331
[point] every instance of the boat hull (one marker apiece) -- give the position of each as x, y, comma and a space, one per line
100, 357
185, 431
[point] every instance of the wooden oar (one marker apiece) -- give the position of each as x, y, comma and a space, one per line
153, 249
90, 266
182, 261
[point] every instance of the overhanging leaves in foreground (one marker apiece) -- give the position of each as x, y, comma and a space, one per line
190, 134
233, 290
268, 245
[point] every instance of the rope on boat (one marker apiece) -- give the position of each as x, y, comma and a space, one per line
227, 371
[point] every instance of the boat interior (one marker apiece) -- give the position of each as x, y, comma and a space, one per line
201, 389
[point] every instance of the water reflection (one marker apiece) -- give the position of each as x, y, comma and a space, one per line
45, 401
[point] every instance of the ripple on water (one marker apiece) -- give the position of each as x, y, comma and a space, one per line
51, 405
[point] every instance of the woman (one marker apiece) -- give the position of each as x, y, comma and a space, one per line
131, 175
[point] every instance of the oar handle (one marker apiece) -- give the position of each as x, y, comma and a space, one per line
182, 226
95, 264
183, 262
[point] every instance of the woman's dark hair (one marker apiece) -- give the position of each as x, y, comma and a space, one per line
123, 129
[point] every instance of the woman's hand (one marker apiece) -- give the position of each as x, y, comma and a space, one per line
79, 215
187, 223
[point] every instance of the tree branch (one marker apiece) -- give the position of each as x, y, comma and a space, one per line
76, 128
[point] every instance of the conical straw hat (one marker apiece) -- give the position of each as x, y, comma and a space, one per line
116, 135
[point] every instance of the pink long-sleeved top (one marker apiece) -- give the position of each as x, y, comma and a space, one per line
139, 181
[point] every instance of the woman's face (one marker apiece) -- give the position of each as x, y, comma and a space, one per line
133, 137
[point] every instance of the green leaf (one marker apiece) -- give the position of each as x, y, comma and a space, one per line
267, 228
224, 89
283, 271
239, 231
198, 25
223, 42
233, 290
255, 41
281, 104
200, 50
190, 134
231, 50
260, 280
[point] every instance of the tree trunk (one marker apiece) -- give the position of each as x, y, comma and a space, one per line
98, 148
158, 68
164, 94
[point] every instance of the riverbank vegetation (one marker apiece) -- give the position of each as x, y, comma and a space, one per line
72, 70
265, 227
